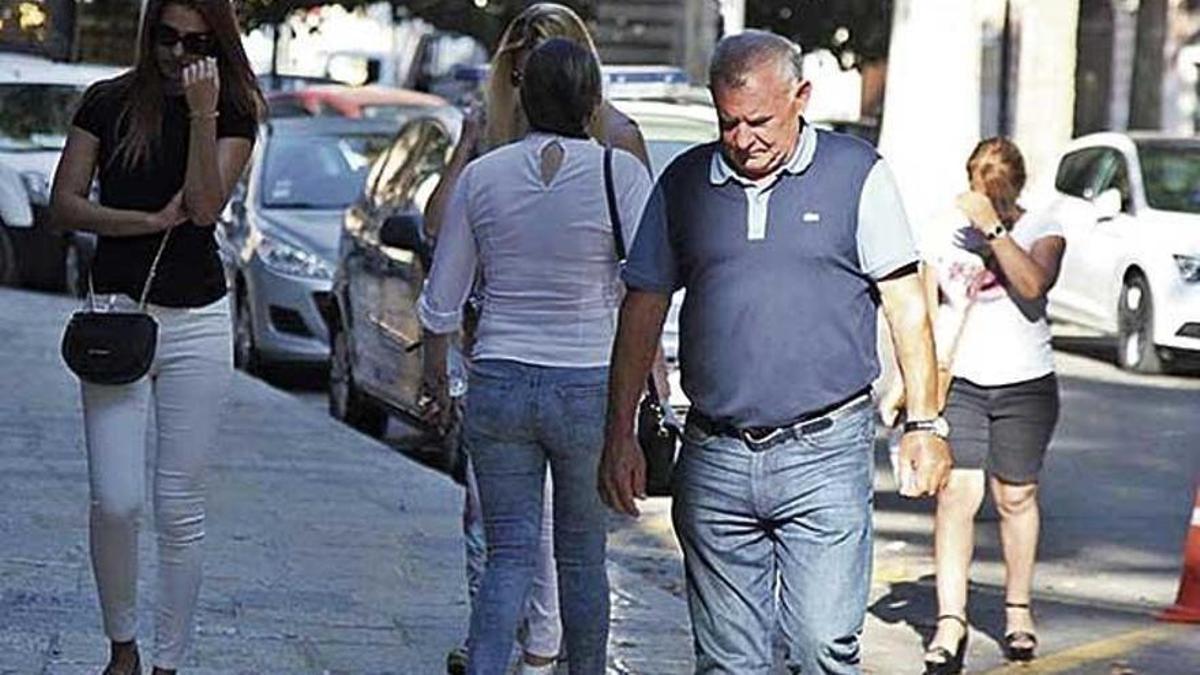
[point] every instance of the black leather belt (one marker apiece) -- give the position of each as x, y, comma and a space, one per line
761, 438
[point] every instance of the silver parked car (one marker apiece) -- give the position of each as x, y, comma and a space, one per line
279, 236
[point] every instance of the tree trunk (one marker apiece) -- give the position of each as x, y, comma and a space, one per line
1094, 71
931, 103
275, 32
1045, 96
1145, 98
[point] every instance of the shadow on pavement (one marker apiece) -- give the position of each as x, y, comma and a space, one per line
1100, 349
296, 377
914, 604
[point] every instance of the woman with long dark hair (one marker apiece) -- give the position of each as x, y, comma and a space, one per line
993, 263
166, 143
503, 121
531, 218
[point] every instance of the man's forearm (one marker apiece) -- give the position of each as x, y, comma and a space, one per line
912, 338
638, 334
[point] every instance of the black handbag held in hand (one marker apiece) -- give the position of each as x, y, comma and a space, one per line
105, 347
657, 432
658, 437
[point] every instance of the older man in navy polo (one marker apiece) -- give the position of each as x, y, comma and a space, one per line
787, 239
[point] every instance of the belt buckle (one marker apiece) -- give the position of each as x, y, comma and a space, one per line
763, 442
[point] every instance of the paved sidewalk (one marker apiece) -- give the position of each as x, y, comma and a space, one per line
330, 552
325, 552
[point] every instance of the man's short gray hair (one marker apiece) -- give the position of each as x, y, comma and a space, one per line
736, 55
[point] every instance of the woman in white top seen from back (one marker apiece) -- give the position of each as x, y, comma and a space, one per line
993, 265
531, 220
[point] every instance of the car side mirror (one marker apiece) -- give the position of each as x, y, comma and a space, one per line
403, 231
1107, 204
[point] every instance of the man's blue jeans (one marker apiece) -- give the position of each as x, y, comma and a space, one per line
777, 537
519, 418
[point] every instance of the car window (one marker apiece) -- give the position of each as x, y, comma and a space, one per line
307, 171
1076, 173
413, 183
1112, 171
668, 137
1171, 175
390, 168
35, 117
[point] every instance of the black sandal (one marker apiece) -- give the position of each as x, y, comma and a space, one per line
135, 667
948, 663
1013, 651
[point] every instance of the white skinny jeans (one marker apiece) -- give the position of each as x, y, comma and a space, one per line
187, 386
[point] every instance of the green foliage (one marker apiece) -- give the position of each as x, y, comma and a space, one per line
856, 31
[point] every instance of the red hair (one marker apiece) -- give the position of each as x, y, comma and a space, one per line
997, 166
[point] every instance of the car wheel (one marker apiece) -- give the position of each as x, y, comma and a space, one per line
8, 260
346, 403
1135, 335
245, 354
74, 276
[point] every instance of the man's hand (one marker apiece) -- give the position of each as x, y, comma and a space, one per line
925, 463
622, 474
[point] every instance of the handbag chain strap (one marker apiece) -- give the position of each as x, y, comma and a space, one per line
162, 246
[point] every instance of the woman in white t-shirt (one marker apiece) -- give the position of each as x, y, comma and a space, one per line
992, 265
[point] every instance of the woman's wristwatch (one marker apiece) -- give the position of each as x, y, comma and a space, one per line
937, 426
997, 231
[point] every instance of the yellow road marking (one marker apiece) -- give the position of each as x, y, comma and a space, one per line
1092, 652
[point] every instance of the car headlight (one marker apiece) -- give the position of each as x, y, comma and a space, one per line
288, 259
37, 184
1189, 266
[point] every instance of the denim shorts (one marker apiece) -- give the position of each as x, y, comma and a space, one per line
1005, 429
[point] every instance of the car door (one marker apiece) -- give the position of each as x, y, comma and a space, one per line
405, 270
365, 265
1076, 214
1108, 243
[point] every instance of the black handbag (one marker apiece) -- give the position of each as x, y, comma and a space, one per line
104, 347
657, 432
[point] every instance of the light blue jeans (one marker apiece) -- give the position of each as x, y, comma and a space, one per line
777, 538
519, 418
542, 634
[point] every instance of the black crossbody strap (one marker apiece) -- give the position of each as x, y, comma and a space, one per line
610, 193
162, 245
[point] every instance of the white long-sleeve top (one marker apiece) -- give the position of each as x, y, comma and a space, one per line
545, 253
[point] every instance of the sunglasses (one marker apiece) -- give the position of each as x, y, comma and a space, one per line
197, 44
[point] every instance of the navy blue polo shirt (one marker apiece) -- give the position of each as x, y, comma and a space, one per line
780, 311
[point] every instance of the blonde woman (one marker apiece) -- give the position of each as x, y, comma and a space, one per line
504, 122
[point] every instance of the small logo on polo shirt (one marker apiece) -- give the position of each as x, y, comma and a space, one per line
811, 217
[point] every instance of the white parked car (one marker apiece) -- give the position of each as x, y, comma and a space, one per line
37, 100
1129, 205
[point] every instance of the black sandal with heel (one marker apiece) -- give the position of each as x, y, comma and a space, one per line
948, 663
1014, 651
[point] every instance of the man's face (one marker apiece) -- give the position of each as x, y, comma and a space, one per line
760, 120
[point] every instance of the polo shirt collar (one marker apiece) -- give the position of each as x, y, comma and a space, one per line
720, 172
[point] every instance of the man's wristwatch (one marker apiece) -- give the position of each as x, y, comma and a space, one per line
997, 232
937, 426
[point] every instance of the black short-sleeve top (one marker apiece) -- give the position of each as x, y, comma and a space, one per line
189, 273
